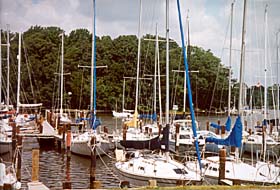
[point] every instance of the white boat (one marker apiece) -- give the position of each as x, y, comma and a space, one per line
262, 173
122, 114
81, 144
8, 177
185, 136
254, 143
166, 171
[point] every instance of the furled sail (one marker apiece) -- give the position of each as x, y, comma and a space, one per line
228, 124
234, 138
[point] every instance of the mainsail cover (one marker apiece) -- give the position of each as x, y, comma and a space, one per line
228, 124
148, 116
235, 137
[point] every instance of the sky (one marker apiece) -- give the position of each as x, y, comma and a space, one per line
209, 25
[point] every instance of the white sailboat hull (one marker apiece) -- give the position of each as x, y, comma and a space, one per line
139, 170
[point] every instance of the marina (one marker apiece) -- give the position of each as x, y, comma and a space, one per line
82, 111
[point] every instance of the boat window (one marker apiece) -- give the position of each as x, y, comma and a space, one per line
215, 169
180, 171
269, 140
184, 136
227, 171
252, 140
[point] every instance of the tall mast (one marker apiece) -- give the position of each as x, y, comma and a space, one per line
123, 95
277, 74
19, 62
167, 64
138, 56
159, 85
155, 73
265, 64
242, 60
230, 48
94, 60
61, 74
1, 65
8, 67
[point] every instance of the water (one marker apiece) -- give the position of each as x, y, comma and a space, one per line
55, 168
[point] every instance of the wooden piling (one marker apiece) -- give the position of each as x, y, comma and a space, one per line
93, 162
63, 136
159, 129
14, 138
177, 137
19, 146
223, 131
68, 139
246, 125
152, 183
217, 131
35, 165
222, 154
270, 128
124, 132
207, 125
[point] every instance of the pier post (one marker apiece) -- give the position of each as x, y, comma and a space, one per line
207, 125
217, 131
223, 131
124, 132
246, 125
93, 183
35, 165
222, 154
19, 146
270, 128
177, 137
14, 138
159, 129
63, 136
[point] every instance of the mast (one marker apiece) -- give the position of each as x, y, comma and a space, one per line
277, 74
242, 60
123, 95
1, 66
265, 84
230, 50
265, 65
189, 87
159, 85
8, 67
19, 62
61, 74
167, 64
94, 61
138, 56
155, 74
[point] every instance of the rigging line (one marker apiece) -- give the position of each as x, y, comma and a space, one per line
113, 174
28, 68
55, 99
219, 66
81, 90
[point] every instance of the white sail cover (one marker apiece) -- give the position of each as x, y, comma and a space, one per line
30, 105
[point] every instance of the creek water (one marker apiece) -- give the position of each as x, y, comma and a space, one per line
56, 168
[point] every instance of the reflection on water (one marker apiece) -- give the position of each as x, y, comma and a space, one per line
56, 169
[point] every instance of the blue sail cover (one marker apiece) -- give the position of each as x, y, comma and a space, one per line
96, 123
228, 124
235, 137
148, 116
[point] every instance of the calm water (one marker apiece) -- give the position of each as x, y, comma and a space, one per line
55, 168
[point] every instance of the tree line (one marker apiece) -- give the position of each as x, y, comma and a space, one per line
41, 58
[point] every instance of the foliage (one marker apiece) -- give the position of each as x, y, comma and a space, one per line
41, 59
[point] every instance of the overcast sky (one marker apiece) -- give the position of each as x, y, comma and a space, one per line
209, 24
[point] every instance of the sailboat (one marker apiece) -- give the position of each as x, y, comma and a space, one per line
235, 169
81, 144
160, 167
